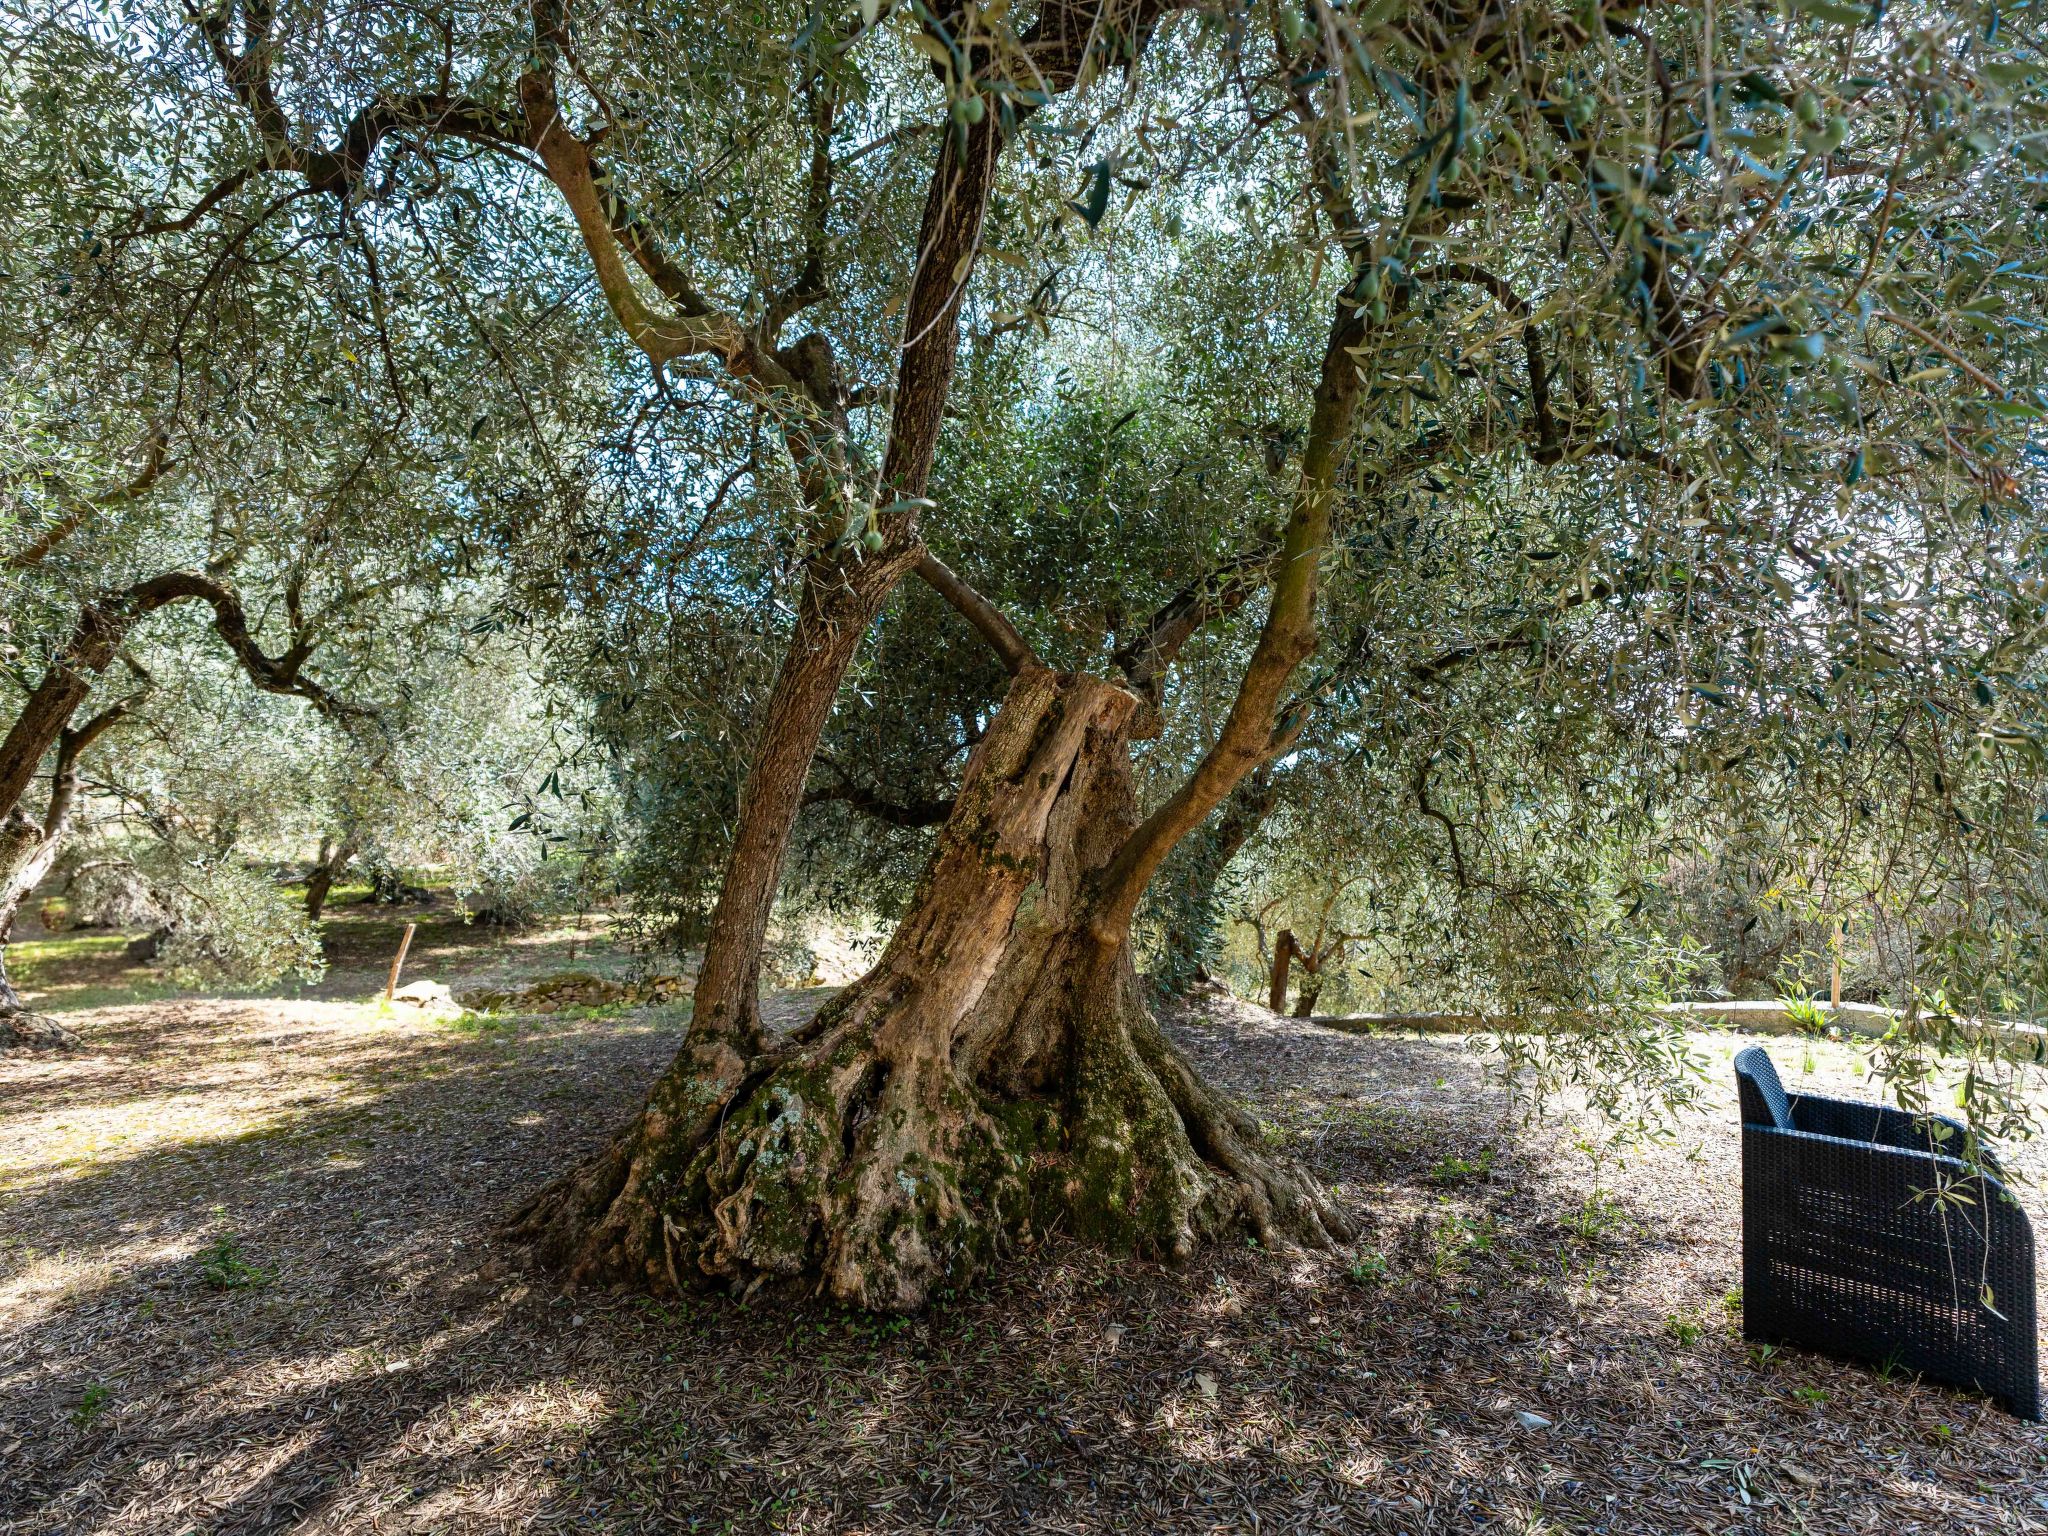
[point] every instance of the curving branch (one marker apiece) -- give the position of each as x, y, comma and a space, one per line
338, 169
156, 464
103, 626
991, 622
1450, 827
72, 743
1543, 423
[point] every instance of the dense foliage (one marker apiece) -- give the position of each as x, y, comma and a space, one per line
1555, 487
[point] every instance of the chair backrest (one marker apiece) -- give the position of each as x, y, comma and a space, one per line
1763, 1096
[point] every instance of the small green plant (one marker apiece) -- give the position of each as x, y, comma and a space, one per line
1686, 1330
223, 1268
1600, 1215
1812, 1395
1804, 1016
1455, 1239
1369, 1269
1732, 1302
1761, 1355
92, 1402
1452, 1169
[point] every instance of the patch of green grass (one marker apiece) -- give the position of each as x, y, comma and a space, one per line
92, 1402
29, 959
487, 1023
1686, 1330
1452, 1169
223, 1267
98, 941
114, 995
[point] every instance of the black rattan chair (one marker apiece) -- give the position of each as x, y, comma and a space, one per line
1865, 1237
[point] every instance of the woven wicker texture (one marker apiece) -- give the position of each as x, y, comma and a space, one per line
1861, 1240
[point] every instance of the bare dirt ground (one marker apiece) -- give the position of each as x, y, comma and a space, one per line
248, 1284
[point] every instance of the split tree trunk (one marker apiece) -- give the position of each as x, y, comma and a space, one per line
840, 603
997, 1070
995, 1073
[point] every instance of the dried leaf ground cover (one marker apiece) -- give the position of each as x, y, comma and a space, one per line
247, 1284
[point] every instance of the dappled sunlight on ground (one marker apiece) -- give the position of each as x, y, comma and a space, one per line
248, 1283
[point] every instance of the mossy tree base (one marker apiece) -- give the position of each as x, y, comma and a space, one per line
995, 1073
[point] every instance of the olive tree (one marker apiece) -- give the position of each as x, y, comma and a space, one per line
1713, 326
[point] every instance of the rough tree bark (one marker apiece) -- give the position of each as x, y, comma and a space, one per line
997, 1070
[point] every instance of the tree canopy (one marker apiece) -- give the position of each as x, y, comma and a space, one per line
1061, 476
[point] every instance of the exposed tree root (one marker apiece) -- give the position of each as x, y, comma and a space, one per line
996, 1073
35, 1031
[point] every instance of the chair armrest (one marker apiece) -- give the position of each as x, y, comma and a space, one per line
1898, 1176
1881, 1125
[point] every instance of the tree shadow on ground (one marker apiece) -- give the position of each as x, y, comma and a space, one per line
381, 1369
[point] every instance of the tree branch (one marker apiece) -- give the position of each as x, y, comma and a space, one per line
1450, 827
809, 286
990, 621
1144, 659
1287, 638
156, 465
72, 745
1549, 447
916, 813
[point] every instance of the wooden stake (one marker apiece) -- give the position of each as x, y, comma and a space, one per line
398, 964
1835, 986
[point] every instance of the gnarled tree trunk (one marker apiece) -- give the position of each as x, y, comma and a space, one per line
997, 1068
996, 1071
